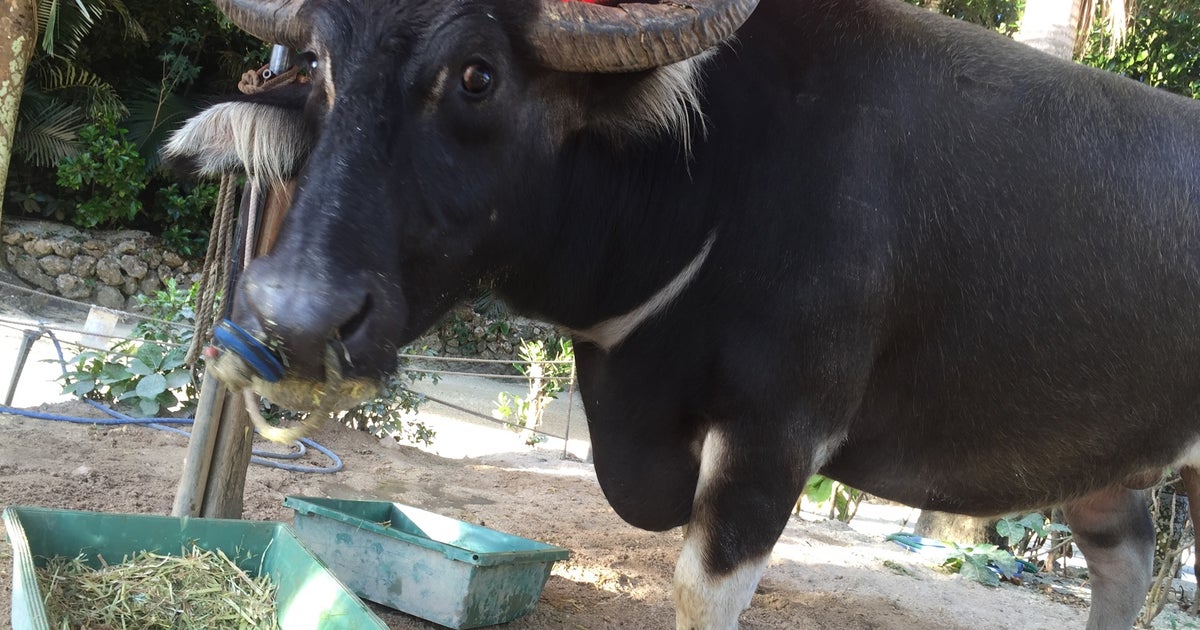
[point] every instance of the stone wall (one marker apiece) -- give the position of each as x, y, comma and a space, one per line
104, 268
466, 333
109, 268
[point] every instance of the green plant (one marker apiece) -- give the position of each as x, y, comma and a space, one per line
1162, 47
546, 377
160, 107
172, 311
1017, 530
108, 171
145, 373
973, 561
842, 500
392, 411
187, 213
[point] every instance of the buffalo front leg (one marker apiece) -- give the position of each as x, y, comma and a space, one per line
1112, 528
744, 496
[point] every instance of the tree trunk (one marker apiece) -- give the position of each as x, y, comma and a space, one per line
1053, 26
18, 30
954, 527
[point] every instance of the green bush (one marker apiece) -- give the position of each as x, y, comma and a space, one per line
109, 172
1162, 48
546, 376
187, 213
146, 373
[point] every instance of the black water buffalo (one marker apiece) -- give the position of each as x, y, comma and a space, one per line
854, 237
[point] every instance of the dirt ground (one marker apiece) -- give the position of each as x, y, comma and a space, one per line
822, 575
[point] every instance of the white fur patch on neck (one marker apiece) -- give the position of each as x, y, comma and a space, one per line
264, 141
609, 333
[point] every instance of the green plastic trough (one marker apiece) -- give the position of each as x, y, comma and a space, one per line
444, 570
308, 595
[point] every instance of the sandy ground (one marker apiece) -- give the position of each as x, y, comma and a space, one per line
822, 575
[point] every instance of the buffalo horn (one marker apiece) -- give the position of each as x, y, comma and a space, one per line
273, 21
580, 36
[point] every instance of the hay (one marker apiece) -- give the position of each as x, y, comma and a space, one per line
198, 589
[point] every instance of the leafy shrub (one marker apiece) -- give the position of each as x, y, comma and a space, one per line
1016, 531
972, 561
843, 501
146, 373
110, 173
1161, 48
546, 377
187, 215
390, 411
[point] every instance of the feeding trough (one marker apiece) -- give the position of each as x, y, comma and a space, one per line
307, 596
453, 573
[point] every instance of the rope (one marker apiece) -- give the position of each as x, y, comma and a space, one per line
262, 80
217, 264
218, 259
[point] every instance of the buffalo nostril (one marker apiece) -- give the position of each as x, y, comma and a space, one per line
352, 325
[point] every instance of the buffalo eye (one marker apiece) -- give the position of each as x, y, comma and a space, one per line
476, 78
307, 61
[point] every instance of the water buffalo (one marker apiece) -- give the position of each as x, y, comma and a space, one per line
787, 236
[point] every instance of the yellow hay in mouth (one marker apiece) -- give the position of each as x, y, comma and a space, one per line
316, 398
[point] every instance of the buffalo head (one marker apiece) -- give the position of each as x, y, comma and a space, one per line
435, 137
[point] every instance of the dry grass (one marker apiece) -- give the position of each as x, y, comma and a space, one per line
198, 589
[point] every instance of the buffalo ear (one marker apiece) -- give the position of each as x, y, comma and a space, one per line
263, 141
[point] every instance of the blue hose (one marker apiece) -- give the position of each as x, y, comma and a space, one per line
262, 458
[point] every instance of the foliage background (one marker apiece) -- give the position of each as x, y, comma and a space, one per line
110, 80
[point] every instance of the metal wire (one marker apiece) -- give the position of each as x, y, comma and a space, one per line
22, 326
85, 305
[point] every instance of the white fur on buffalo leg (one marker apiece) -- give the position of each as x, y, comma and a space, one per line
704, 601
708, 602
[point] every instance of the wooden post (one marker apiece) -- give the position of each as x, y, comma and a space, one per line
214, 476
189, 497
230, 460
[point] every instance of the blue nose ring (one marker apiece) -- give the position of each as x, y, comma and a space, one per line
229, 336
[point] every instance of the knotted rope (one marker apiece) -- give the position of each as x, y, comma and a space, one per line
218, 263
263, 79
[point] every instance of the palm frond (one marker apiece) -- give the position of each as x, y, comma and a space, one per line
61, 77
47, 130
64, 23
153, 116
131, 25
63, 26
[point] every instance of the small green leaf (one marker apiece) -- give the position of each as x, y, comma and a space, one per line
173, 359
151, 386
975, 567
819, 489
1005, 562
114, 373
1009, 530
148, 407
151, 354
137, 366
178, 378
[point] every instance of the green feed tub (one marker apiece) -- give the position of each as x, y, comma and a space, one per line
308, 595
446, 571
